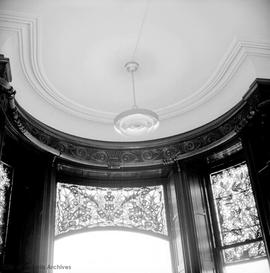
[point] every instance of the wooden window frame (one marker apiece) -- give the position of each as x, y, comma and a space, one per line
122, 182
220, 165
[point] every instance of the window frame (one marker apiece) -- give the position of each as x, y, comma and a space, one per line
124, 182
219, 165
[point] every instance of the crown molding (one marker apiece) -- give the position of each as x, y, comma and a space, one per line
124, 155
237, 53
116, 155
27, 29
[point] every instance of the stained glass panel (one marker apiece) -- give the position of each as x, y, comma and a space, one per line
244, 252
5, 183
80, 207
237, 214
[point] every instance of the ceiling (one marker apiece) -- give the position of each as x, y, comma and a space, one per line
197, 59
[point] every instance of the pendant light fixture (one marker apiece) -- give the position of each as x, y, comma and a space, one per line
136, 121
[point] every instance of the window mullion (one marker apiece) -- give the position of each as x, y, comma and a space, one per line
242, 243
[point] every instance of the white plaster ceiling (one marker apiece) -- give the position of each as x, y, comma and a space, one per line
197, 59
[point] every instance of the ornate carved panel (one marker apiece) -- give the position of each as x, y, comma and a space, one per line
166, 152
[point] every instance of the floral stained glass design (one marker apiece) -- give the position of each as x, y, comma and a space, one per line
81, 207
238, 220
244, 252
4, 202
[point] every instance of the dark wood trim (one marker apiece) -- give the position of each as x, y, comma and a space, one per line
235, 159
187, 226
261, 193
242, 243
216, 235
210, 210
65, 168
48, 217
122, 155
5, 77
110, 181
115, 155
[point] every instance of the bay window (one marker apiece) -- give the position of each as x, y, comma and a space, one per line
239, 240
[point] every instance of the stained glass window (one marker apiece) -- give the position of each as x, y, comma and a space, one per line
238, 222
5, 189
83, 207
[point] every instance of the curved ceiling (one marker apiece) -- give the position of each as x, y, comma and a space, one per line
196, 58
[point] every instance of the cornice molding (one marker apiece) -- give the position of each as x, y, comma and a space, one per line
116, 155
27, 29
124, 155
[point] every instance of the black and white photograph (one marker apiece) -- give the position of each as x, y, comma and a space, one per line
134, 136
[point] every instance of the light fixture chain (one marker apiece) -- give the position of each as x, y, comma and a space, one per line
133, 90
141, 28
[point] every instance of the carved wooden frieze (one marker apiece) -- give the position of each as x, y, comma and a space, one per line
172, 149
115, 155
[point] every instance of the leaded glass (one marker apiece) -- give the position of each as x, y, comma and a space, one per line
237, 214
244, 252
79, 207
4, 192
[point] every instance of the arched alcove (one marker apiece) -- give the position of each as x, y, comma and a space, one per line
42, 157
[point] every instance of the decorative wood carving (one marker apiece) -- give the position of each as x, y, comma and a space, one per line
5, 78
115, 155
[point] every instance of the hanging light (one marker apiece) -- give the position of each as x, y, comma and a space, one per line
135, 121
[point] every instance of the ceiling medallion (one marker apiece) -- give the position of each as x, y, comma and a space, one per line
135, 121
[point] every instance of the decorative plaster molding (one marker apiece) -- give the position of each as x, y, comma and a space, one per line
237, 53
28, 32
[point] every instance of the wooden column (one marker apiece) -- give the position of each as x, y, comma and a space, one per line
193, 219
48, 218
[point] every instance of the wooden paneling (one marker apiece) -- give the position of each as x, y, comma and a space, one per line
176, 232
256, 143
202, 225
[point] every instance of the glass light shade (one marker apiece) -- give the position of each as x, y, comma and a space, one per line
136, 122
